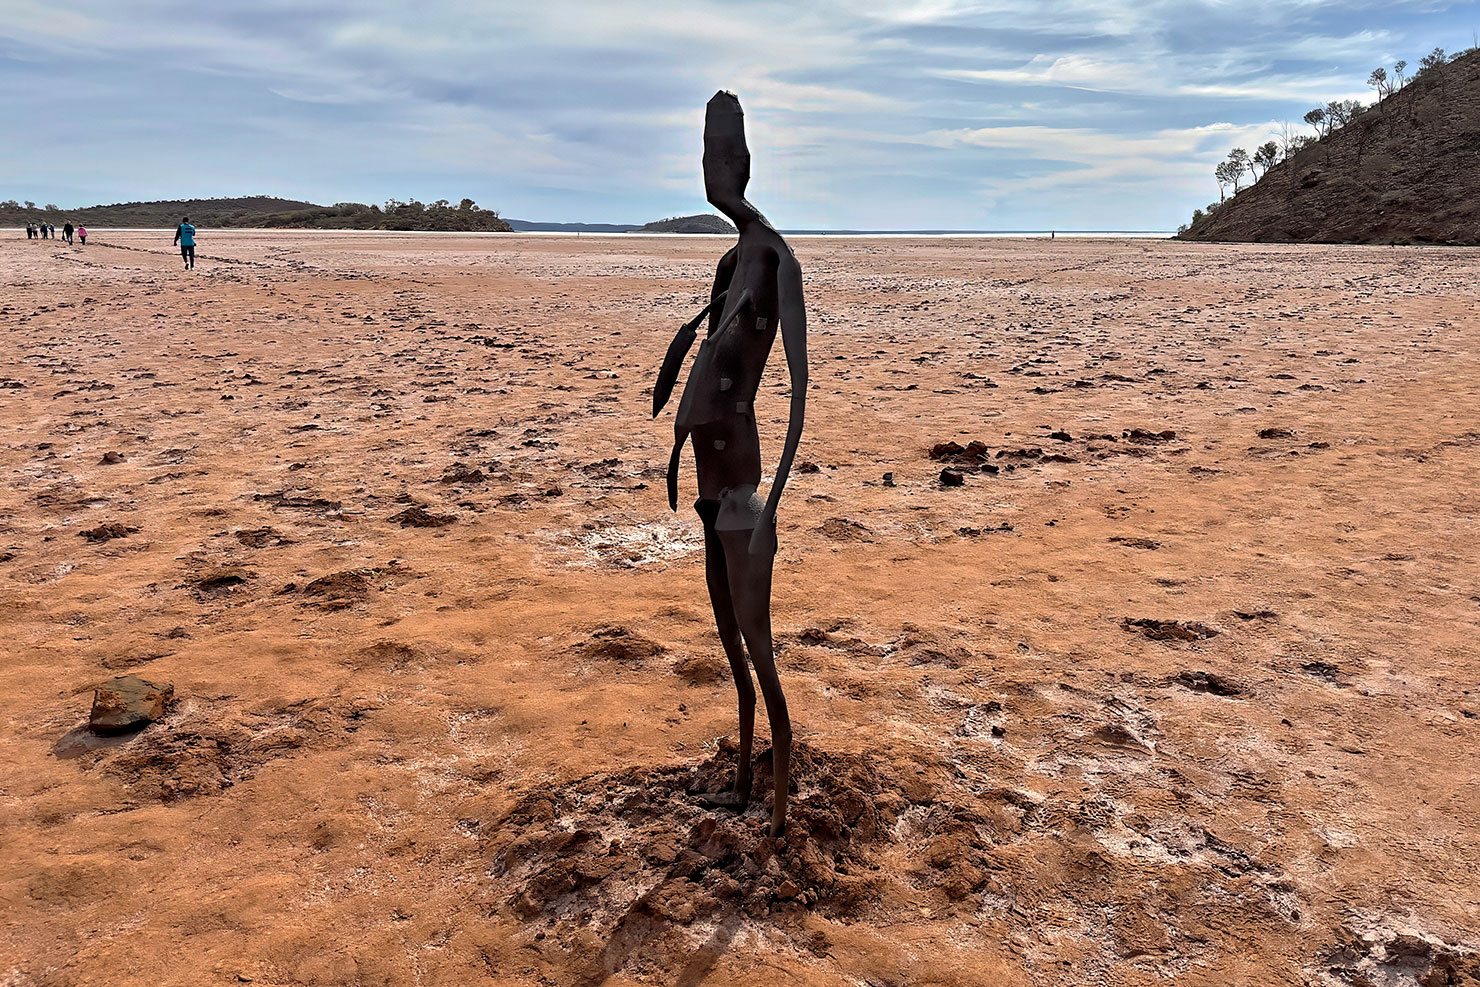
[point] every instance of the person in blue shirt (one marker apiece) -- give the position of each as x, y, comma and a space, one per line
185, 237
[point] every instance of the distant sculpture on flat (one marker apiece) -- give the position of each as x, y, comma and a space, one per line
758, 282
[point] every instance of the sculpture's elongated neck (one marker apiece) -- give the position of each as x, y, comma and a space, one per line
737, 209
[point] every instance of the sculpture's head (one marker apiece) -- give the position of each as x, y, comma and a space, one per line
726, 158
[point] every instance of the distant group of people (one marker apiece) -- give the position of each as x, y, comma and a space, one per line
45, 231
184, 237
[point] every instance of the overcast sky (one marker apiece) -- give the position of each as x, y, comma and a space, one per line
1017, 114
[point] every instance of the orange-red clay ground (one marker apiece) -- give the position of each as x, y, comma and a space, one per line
1180, 683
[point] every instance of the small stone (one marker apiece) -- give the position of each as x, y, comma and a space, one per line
416, 516
788, 889
107, 532
952, 478
1144, 436
888, 479
128, 703
458, 473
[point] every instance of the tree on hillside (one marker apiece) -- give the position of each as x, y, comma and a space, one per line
1238, 162
1287, 139
1347, 110
1398, 73
1223, 174
1340, 112
466, 205
30, 204
1432, 60
1379, 80
1315, 118
1267, 155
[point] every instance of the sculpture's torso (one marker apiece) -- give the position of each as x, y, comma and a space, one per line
728, 369
718, 404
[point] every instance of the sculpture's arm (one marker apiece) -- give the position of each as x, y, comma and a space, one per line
677, 350
684, 338
793, 311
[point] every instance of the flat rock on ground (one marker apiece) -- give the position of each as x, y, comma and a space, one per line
127, 703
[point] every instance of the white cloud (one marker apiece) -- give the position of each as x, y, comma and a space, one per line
1084, 159
1156, 77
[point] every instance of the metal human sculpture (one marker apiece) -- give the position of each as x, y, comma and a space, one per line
757, 283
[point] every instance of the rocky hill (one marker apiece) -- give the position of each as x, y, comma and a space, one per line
701, 223
265, 211
1406, 170
536, 226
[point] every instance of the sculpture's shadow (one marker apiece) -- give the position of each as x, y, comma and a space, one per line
635, 939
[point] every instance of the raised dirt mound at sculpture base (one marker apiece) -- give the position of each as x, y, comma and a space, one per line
627, 870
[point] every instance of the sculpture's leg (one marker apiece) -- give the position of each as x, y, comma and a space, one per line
715, 571
750, 586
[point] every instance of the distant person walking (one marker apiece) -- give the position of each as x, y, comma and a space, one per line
185, 237
67, 232
30, 232
82, 234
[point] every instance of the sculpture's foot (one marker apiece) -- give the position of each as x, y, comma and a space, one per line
728, 799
